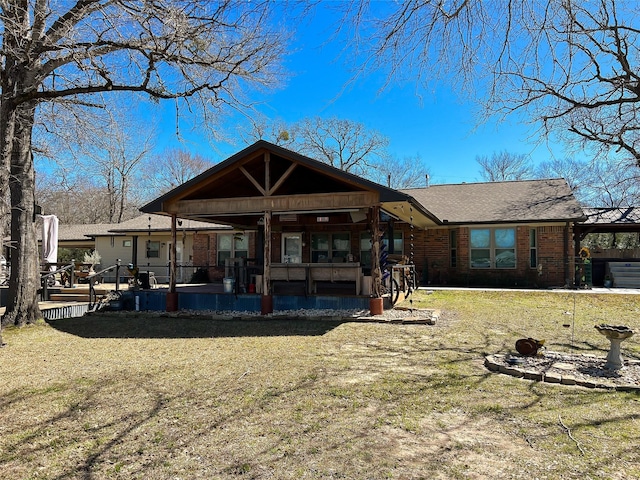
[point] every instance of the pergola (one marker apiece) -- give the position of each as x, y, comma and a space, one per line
607, 220
265, 186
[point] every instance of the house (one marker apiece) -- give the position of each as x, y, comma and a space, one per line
144, 241
301, 223
517, 233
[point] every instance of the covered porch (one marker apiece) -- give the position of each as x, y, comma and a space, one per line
301, 228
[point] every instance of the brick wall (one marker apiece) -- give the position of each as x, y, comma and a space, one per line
432, 255
433, 259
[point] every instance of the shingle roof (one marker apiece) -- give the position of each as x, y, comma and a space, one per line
156, 223
79, 232
616, 216
500, 202
141, 223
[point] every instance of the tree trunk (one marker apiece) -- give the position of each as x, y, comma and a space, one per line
24, 282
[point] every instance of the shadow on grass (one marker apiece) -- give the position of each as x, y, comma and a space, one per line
150, 326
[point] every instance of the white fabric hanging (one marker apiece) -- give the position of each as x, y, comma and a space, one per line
50, 239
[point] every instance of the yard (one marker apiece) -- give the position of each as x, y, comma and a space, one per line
128, 395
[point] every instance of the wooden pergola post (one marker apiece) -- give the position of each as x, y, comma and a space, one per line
376, 304
172, 295
266, 301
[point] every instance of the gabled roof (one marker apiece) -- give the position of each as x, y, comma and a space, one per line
266, 177
549, 200
235, 184
78, 232
160, 223
70, 233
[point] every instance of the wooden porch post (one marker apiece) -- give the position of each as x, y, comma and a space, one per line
266, 302
172, 295
267, 298
376, 303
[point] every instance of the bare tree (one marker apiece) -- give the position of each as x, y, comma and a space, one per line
112, 158
276, 131
613, 183
344, 144
571, 66
503, 166
202, 54
173, 167
575, 172
396, 172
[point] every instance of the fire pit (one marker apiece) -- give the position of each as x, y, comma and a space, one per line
616, 334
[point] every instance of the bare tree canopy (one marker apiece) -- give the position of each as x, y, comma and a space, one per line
171, 168
202, 55
401, 172
344, 144
571, 66
503, 166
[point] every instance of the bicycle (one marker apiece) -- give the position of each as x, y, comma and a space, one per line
389, 285
407, 279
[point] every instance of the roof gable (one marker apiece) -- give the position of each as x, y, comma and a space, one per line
265, 169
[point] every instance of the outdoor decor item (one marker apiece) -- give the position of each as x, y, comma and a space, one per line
529, 346
616, 334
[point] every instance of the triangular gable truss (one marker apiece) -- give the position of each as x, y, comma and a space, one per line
266, 177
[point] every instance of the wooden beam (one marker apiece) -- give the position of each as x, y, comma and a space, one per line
284, 203
172, 262
266, 274
252, 180
267, 172
376, 272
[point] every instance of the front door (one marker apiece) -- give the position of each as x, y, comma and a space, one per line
292, 248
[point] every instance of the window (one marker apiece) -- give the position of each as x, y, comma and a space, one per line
232, 245
126, 243
533, 248
493, 248
330, 247
453, 247
365, 246
153, 249
291, 248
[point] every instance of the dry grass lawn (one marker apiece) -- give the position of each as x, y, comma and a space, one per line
128, 395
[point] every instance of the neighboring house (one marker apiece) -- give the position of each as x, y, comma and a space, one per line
144, 241
290, 209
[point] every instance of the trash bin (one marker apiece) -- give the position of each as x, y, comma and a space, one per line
144, 280
227, 284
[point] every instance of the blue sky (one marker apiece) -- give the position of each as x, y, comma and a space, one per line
434, 124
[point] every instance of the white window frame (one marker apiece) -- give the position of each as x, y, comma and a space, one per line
233, 252
287, 257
